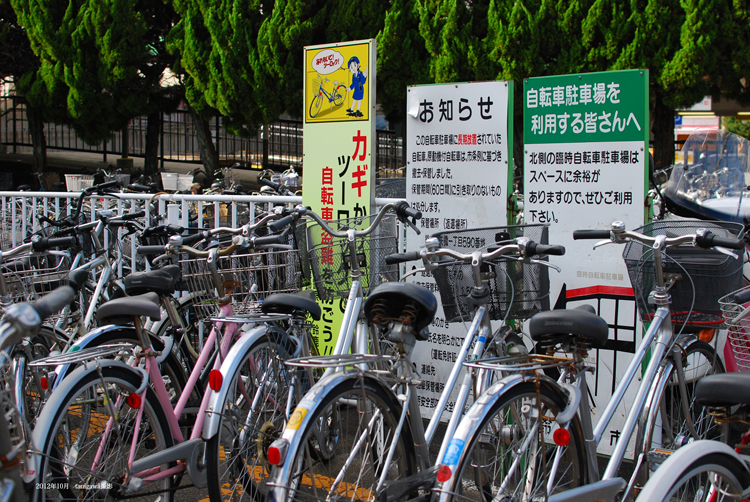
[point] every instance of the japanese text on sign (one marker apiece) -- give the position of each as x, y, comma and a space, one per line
465, 110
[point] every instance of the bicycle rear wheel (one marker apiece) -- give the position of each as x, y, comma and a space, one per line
344, 447
666, 426
252, 416
84, 454
512, 457
315, 105
339, 95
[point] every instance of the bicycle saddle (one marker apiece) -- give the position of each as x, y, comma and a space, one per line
77, 278
161, 281
122, 310
397, 301
287, 303
581, 322
723, 389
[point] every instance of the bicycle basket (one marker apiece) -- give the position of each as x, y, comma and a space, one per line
330, 261
250, 276
713, 274
738, 330
517, 290
31, 277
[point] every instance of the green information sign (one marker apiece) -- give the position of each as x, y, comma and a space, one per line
589, 107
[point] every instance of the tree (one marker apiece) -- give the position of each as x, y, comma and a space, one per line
19, 64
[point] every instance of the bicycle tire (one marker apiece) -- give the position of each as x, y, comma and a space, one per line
339, 95
481, 457
345, 412
725, 473
666, 427
10, 473
251, 418
315, 105
81, 410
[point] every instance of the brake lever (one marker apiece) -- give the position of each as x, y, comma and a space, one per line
413, 225
545, 263
726, 252
413, 272
603, 243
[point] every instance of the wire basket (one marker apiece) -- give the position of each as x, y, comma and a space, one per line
31, 277
249, 276
331, 260
18, 429
714, 275
517, 290
738, 328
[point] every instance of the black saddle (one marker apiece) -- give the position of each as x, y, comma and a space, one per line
388, 301
723, 389
289, 303
162, 281
122, 310
581, 322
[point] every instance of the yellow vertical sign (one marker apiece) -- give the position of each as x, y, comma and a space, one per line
339, 154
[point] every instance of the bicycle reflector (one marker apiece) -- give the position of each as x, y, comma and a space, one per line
706, 335
443, 474
277, 451
44, 383
215, 379
134, 401
561, 437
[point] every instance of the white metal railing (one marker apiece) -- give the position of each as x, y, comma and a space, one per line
20, 211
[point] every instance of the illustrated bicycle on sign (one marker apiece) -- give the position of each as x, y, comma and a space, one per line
335, 97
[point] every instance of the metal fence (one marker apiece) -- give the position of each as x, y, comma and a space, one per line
277, 146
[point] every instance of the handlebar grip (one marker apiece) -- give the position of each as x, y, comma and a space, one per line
277, 187
45, 243
133, 216
543, 249
742, 297
105, 185
392, 259
404, 210
709, 240
189, 240
53, 302
282, 223
136, 187
591, 234
269, 240
149, 250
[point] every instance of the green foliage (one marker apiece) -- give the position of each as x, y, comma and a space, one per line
737, 126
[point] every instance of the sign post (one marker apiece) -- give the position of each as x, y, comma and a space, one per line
458, 174
339, 159
585, 160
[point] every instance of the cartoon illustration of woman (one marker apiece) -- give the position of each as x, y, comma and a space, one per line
358, 86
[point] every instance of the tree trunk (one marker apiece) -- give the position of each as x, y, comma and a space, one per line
663, 130
38, 140
209, 157
153, 129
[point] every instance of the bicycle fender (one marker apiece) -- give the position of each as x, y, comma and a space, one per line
300, 419
234, 359
470, 423
46, 418
91, 339
669, 472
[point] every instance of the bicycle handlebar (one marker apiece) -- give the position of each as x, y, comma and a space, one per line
524, 247
702, 238
591, 234
40, 244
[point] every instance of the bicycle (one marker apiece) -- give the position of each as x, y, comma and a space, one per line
525, 411
110, 427
712, 470
242, 425
335, 97
21, 321
358, 434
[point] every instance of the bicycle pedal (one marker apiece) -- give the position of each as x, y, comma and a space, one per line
656, 457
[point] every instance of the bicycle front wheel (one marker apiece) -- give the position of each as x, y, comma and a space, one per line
315, 105
252, 416
84, 454
511, 456
666, 425
339, 95
700, 472
344, 448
